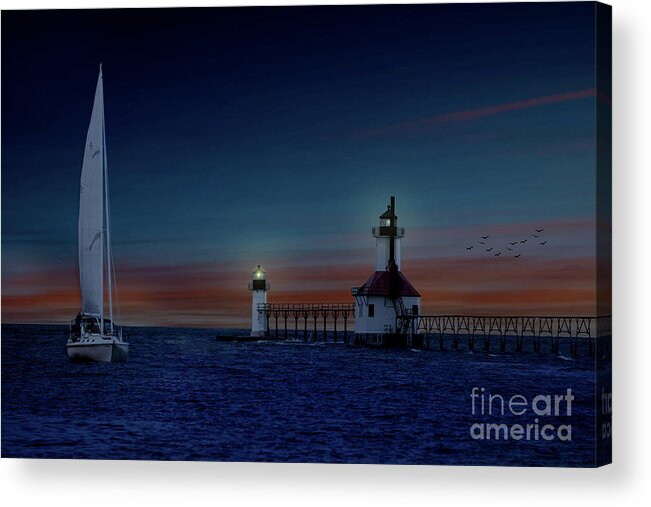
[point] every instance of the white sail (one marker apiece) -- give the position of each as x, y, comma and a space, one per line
90, 339
91, 207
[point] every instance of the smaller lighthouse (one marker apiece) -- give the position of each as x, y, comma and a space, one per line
258, 290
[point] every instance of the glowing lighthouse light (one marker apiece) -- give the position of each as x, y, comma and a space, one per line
259, 290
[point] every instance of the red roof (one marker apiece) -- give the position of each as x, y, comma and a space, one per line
378, 285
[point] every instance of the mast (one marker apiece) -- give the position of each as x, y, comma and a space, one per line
109, 262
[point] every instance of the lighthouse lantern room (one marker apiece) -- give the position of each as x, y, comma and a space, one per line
387, 234
387, 293
259, 290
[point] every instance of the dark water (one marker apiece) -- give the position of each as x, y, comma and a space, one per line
184, 396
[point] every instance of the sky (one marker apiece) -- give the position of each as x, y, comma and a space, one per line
275, 136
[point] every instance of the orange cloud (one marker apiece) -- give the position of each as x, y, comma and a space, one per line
216, 295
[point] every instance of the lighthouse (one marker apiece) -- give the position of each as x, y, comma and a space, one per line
258, 288
387, 293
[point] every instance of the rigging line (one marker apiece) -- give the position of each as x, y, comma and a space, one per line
108, 213
115, 290
112, 272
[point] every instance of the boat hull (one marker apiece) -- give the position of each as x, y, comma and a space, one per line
106, 351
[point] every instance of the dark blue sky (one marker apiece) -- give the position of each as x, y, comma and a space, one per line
248, 133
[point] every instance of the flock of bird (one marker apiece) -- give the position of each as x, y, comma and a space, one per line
511, 245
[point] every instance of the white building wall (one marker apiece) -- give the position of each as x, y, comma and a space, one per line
382, 253
384, 313
258, 319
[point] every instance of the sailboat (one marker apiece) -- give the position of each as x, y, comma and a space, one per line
93, 336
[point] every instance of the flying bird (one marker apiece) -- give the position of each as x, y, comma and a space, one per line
523, 241
481, 242
498, 254
469, 248
544, 243
485, 237
535, 236
489, 249
516, 256
509, 248
512, 244
539, 230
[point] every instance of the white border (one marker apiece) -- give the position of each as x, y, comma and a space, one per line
104, 483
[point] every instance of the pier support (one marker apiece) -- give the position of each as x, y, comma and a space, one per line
325, 324
285, 316
305, 317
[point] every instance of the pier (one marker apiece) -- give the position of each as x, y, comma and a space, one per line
318, 315
515, 334
526, 333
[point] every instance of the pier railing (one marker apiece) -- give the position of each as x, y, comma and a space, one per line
489, 328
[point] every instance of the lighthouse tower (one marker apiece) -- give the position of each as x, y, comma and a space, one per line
387, 293
387, 239
258, 289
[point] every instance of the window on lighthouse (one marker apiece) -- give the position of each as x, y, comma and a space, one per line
371, 310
